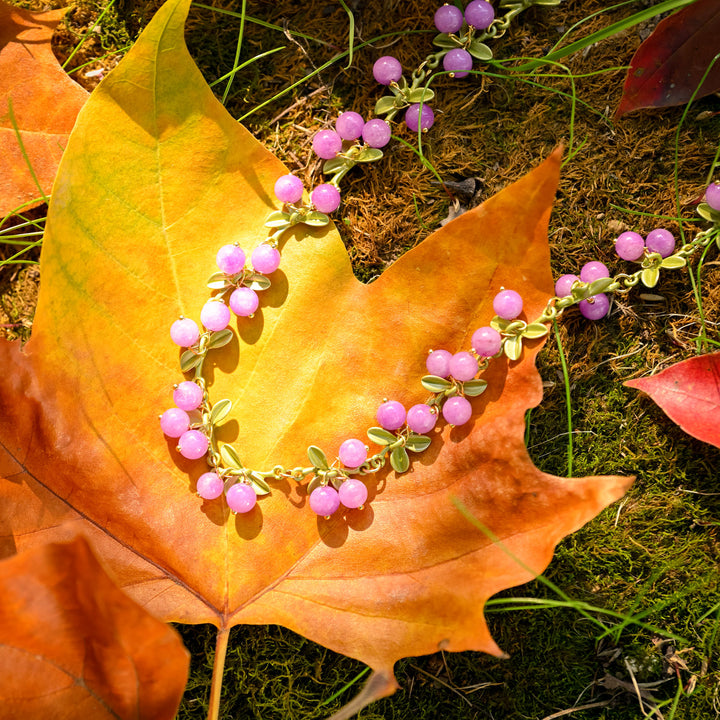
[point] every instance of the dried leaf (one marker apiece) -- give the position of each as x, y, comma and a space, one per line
45, 103
79, 402
669, 66
73, 645
689, 394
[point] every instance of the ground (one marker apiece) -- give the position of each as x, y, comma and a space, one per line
655, 554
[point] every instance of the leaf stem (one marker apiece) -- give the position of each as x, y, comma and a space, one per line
221, 645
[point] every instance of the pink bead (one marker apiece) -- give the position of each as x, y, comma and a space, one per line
244, 301
353, 453
419, 119
230, 259
174, 422
660, 241
712, 196
184, 332
265, 259
463, 366
353, 493
438, 363
593, 270
479, 14
630, 245
387, 69
349, 125
391, 415
596, 307
240, 498
324, 500
457, 410
215, 315
507, 304
564, 284
288, 189
448, 19
376, 133
326, 198
193, 444
486, 341
210, 486
327, 144
421, 419
188, 395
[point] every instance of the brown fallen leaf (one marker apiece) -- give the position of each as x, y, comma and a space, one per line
73, 646
43, 99
175, 177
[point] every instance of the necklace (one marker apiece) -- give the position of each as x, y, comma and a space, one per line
453, 379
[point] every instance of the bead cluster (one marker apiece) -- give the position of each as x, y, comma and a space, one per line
452, 378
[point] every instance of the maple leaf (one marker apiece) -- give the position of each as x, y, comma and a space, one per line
174, 177
688, 392
70, 638
42, 98
671, 64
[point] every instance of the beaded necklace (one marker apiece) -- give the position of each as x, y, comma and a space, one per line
453, 379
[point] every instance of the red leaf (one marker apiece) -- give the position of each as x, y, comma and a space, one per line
73, 646
689, 394
668, 66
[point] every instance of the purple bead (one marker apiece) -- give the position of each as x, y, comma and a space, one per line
596, 307
184, 332
188, 395
391, 415
712, 196
415, 117
457, 410
486, 341
479, 14
324, 500
193, 444
660, 241
563, 286
507, 304
288, 189
215, 315
326, 198
265, 259
458, 62
244, 301
448, 19
353, 493
593, 270
353, 453
327, 144
174, 422
438, 363
349, 125
376, 133
630, 246
240, 498
387, 69
230, 259
463, 366
210, 486
421, 419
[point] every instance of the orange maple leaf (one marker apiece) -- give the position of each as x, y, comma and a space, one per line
174, 178
43, 99
70, 639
